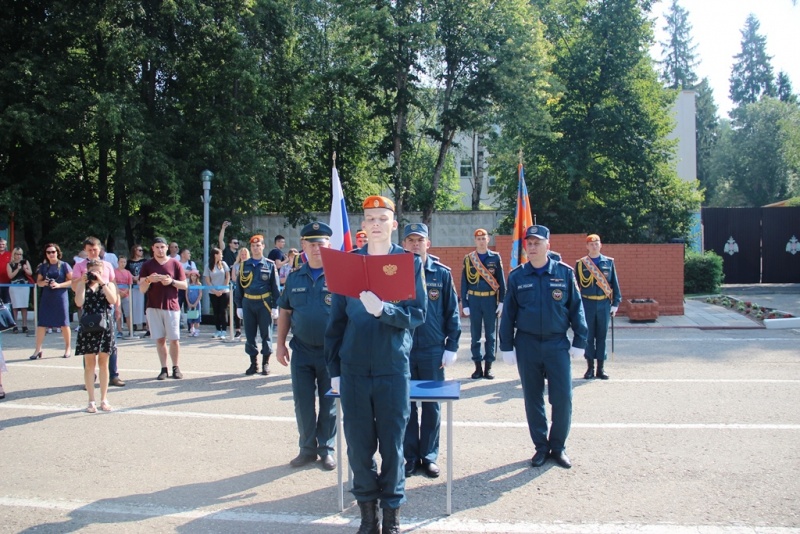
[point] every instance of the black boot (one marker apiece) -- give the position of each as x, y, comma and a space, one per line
589, 374
253, 369
600, 373
265, 365
391, 521
478, 371
369, 518
487, 373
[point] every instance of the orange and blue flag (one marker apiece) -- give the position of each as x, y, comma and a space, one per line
522, 220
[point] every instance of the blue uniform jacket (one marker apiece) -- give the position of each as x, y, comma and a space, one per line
310, 303
546, 305
495, 266
606, 266
442, 326
357, 342
257, 277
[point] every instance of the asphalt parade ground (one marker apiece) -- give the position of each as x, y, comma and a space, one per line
696, 431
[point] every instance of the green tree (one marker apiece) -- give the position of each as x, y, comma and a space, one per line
706, 135
764, 163
783, 88
751, 76
678, 51
484, 52
608, 165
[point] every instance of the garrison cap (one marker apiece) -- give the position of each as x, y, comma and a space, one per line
415, 228
316, 232
538, 231
376, 201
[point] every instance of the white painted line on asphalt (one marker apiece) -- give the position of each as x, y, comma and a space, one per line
463, 424
449, 524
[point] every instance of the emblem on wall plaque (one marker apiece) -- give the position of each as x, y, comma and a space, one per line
731, 247
793, 246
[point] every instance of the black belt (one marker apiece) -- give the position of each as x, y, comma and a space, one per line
543, 337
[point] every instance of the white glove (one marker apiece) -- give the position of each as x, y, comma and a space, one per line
335, 383
449, 358
239, 313
275, 314
575, 352
510, 356
372, 303
614, 310
466, 312
500, 309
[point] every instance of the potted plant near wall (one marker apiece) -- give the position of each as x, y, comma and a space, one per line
642, 310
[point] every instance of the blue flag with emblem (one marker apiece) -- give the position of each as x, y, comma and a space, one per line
522, 220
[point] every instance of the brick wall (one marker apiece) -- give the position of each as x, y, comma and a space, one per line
644, 271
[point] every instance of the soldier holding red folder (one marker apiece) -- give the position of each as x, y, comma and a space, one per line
367, 347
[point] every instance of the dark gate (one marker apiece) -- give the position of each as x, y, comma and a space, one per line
735, 234
780, 230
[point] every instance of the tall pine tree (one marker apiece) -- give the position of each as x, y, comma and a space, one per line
678, 52
752, 76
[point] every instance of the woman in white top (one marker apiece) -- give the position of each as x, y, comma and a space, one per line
218, 275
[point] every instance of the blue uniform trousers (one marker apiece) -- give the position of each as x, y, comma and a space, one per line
256, 317
535, 355
310, 380
375, 414
482, 315
422, 438
598, 315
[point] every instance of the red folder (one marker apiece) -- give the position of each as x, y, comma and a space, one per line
390, 277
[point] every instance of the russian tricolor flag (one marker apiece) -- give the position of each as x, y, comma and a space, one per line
341, 239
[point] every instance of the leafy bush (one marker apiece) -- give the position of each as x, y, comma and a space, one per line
702, 273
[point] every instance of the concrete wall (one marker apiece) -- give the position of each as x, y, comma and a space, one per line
448, 229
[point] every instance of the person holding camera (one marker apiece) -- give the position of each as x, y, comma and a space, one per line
54, 276
96, 297
19, 272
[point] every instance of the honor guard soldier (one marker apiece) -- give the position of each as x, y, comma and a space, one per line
256, 297
601, 297
305, 305
483, 288
367, 348
435, 347
542, 303
361, 238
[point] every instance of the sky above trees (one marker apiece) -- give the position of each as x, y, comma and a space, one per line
716, 30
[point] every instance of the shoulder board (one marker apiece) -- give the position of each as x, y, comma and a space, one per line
434, 258
266, 259
353, 250
517, 267
440, 264
570, 267
610, 258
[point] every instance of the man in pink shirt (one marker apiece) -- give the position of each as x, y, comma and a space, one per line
92, 247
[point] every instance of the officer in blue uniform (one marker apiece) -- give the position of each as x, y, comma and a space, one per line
256, 295
483, 288
601, 296
367, 348
305, 305
542, 303
435, 347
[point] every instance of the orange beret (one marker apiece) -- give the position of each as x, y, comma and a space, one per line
480, 231
592, 237
256, 238
376, 201
361, 233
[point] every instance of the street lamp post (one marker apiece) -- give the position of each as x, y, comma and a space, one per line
206, 176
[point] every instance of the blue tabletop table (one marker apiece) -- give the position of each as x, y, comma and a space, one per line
422, 391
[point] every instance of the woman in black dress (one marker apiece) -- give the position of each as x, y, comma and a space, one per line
95, 297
